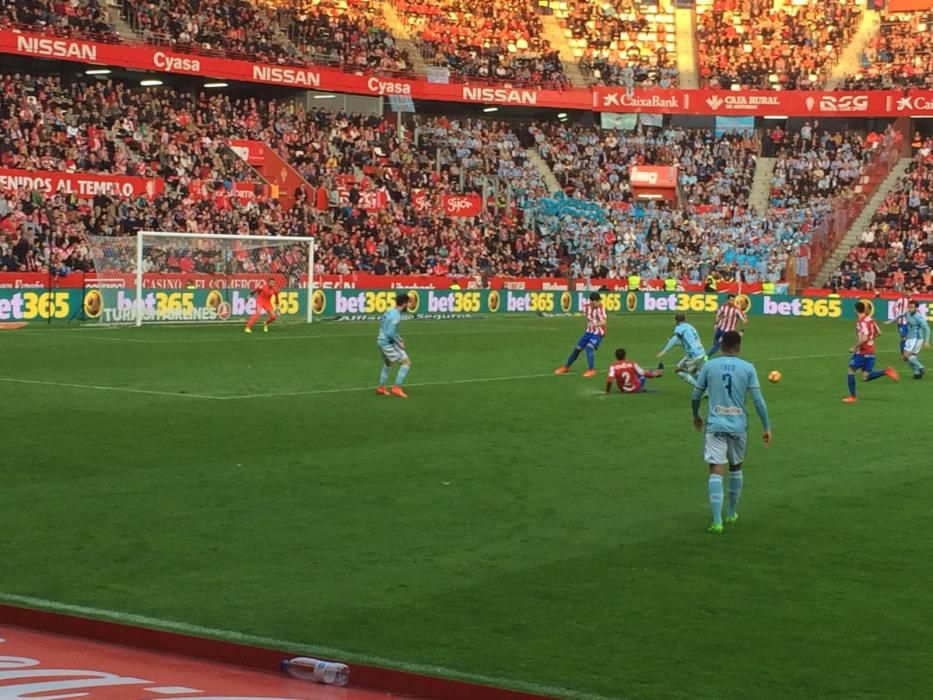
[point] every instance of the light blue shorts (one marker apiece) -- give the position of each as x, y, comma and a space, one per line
392, 352
725, 448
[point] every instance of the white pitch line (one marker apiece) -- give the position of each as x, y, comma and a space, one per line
98, 387
345, 390
297, 647
339, 390
235, 397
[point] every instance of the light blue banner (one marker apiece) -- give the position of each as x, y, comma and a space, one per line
728, 125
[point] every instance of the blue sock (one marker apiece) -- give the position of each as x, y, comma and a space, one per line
642, 382
851, 384
874, 375
590, 358
573, 357
402, 373
687, 378
714, 487
384, 376
713, 350
735, 490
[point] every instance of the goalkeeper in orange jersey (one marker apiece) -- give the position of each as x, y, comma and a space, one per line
267, 297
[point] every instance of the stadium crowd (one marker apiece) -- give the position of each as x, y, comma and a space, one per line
899, 56
622, 42
714, 229
107, 127
755, 44
816, 164
740, 43
593, 227
74, 18
351, 33
487, 39
225, 27
896, 249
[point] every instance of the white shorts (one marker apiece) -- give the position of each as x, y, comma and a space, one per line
725, 448
690, 365
913, 345
392, 352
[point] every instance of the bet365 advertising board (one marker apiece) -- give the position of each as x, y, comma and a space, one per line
118, 305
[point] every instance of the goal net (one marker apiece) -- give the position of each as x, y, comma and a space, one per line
156, 276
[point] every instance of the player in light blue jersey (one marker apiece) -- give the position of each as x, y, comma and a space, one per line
392, 347
918, 336
727, 379
687, 337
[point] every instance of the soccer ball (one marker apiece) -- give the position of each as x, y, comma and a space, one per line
774, 376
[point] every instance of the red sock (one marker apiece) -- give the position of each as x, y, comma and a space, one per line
271, 318
253, 318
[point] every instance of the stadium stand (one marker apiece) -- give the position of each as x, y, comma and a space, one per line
754, 44
106, 127
351, 33
895, 252
714, 230
900, 56
629, 43
221, 27
76, 18
484, 39
622, 42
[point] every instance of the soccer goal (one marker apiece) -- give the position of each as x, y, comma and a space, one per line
159, 277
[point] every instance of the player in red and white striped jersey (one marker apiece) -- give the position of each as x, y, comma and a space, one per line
727, 318
863, 352
589, 342
628, 375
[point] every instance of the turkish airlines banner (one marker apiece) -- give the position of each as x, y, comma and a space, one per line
601, 99
461, 205
81, 184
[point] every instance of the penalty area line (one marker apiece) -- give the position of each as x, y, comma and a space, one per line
288, 647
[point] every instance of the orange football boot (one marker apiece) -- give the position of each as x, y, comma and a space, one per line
892, 374
382, 391
590, 373
850, 399
398, 391
563, 369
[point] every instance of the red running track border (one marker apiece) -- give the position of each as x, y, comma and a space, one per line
259, 658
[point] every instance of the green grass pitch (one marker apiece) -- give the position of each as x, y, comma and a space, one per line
502, 524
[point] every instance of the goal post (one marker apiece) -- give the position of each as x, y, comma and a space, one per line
160, 276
